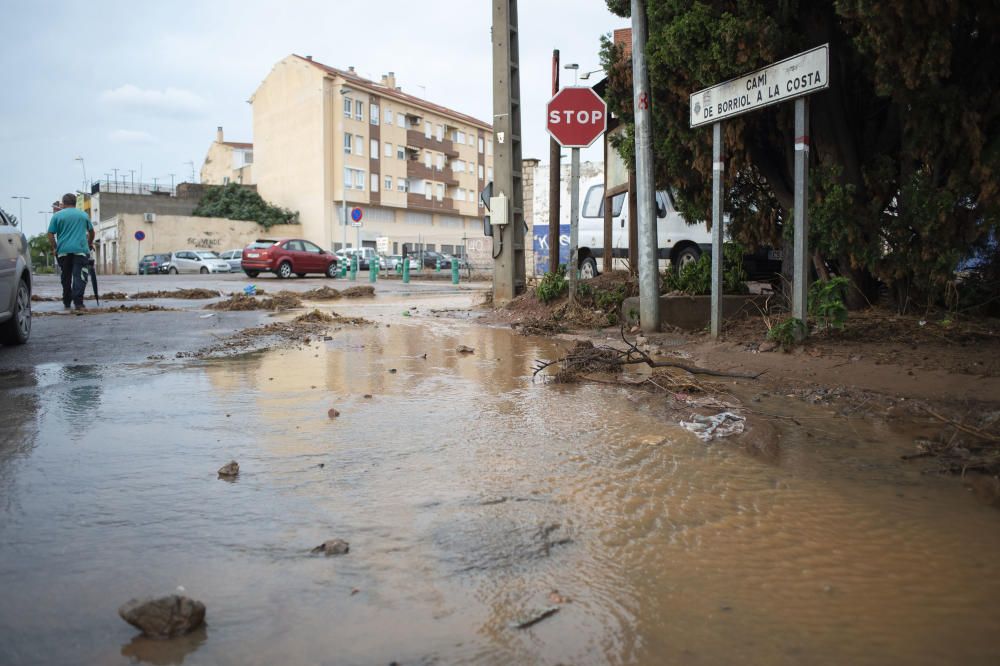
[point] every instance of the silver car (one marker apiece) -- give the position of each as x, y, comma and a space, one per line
197, 261
15, 283
235, 259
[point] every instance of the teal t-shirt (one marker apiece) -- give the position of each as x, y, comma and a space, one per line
70, 226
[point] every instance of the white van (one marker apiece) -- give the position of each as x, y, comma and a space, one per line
678, 242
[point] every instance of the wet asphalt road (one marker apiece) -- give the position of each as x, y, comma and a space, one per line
63, 337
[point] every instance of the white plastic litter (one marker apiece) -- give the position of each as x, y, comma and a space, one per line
707, 428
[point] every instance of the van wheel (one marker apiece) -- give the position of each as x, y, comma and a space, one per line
688, 255
588, 268
285, 270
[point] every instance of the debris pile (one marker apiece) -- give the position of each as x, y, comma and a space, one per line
358, 292
166, 617
321, 294
284, 300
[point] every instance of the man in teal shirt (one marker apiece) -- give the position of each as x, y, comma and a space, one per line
71, 236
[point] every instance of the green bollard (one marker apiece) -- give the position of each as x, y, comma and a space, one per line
354, 267
437, 265
343, 268
454, 271
373, 270
406, 270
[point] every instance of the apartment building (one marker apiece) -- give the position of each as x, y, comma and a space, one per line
227, 162
326, 140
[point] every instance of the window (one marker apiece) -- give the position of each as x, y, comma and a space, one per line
359, 145
374, 182
440, 133
460, 194
225, 180
388, 149
489, 172
374, 149
388, 183
359, 110
427, 159
401, 184
459, 137
400, 120
347, 144
428, 189
440, 192
359, 179
388, 116
295, 246
440, 161
472, 140
373, 114
480, 172
489, 147
458, 166
400, 152
427, 130
480, 144
311, 247
592, 203
348, 105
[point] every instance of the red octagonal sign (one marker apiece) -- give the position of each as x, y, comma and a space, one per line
576, 116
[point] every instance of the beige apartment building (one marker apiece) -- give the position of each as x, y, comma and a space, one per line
327, 139
227, 162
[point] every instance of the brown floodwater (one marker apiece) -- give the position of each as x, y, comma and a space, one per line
468, 494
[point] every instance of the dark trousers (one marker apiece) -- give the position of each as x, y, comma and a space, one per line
73, 285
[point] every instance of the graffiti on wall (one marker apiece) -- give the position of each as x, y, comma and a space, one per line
204, 243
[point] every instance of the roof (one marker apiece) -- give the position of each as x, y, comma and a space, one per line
383, 91
238, 144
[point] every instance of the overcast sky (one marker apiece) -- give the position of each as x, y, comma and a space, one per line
142, 86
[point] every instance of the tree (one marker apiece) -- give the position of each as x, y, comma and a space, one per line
40, 250
905, 143
235, 202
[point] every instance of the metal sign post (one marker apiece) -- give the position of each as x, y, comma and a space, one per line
140, 235
356, 215
790, 79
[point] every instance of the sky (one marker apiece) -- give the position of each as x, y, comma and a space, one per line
142, 86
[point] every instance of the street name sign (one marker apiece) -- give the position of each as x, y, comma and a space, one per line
576, 116
799, 75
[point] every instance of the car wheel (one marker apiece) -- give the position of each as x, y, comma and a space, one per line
172, 271
285, 270
252, 274
588, 268
331, 270
301, 275
203, 271
15, 331
688, 255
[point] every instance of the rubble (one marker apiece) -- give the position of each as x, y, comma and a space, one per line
230, 469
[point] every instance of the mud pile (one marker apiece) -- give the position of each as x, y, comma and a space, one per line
284, 300
358, 292
187, 294
321, 294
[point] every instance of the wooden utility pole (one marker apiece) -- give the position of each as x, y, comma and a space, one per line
555, 171
508, 230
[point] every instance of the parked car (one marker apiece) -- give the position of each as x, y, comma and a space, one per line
365, 256
152, 264
15, 283
393, 261
286, 256
197, 261
431, 258
462, 263
235, 259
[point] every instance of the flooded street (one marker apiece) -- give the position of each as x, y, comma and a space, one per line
468, 493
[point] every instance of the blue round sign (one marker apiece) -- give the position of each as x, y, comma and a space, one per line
357, 214
140, 235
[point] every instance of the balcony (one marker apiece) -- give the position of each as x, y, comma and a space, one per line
421, 171
421, 202
417, 140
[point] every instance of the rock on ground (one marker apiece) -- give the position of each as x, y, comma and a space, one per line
166, 617
231, 468
463, 349
333, 547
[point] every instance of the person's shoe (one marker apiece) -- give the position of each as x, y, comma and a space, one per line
66, 306
81, 306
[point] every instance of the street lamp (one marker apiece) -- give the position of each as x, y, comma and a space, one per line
586, 75
20, 207
83, 165
575, 67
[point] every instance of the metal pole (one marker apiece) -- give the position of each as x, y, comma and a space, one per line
717, 230
574, 222
343, 205
800, 275
649, 277
555, 172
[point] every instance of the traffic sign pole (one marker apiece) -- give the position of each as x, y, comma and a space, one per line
574, 224
718, 166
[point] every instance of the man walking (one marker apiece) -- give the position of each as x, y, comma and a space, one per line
71, 236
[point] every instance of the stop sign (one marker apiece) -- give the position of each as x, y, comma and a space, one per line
576, 116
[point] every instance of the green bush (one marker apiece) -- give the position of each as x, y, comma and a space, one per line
696, 277
235, 202
788, 332
827, 302
552, 286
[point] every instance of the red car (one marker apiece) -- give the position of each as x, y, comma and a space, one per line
287, 256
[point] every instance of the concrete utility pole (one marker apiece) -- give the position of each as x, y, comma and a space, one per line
555, 168
508, 233
572, 269
800, 275
649, 277
718, 168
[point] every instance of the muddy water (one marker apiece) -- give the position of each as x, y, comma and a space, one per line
468, 493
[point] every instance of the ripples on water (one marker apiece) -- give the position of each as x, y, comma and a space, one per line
468, 494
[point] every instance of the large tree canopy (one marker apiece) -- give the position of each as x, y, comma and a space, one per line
905, 143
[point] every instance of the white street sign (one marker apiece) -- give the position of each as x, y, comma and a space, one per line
793, 77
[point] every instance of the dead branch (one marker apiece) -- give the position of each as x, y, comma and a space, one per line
969, 430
